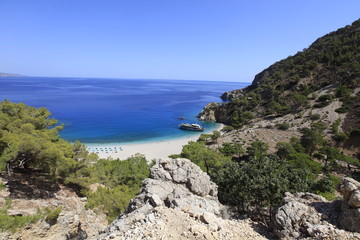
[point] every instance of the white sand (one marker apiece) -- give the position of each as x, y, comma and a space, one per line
151, 150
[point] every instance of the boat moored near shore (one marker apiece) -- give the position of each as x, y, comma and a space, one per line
191, 127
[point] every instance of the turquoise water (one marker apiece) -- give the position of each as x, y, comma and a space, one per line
118, 110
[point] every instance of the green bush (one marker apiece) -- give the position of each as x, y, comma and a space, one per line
321, 104
13, 223
282, 126
259, 182
325, 97
326, 186
342, 109
304, 161
340, 137
335, 126
315, 116
227, 128
210, 161
52, 215
204, 137
111, 201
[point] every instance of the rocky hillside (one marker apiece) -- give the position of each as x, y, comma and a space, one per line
320, 83
179, 201
57, 211
286, 86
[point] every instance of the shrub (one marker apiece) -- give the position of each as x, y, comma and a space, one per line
321, 104
52, 215
269, 126
325, 97
269, 178
204, 137
326, 186
340, 137
13, 223
282, 126
315, 116
227, 129
335, 126
342, 109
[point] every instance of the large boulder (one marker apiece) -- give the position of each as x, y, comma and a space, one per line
305, 215
309, 215
349, 218
178, 183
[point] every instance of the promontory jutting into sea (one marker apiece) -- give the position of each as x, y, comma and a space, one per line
107, 111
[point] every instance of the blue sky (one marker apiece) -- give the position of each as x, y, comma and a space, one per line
224, 40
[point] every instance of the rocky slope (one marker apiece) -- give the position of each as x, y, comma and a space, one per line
179, 201
283, 87
30, 193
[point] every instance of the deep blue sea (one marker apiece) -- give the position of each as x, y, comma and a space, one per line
96, 110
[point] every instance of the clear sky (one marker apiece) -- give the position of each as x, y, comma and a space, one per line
224, 40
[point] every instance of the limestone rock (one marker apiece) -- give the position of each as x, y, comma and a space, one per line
178, 201
347, 187
303, 215
349, 218
208, 113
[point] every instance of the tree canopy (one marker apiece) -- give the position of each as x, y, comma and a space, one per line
29, 139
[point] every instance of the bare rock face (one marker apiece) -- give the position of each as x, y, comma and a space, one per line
228, 96
305, 215
178, 183
349, 218
208, 113
178, 201
309, 215
74, 222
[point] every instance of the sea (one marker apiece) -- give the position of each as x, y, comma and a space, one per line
101, 111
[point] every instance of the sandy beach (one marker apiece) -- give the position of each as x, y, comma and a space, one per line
151, 150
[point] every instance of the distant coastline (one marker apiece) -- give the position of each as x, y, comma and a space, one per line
10, 75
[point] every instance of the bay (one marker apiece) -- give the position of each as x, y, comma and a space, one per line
95, 110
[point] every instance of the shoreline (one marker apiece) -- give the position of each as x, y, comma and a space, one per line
151, 150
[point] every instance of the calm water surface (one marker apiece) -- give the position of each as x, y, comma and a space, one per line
117, 110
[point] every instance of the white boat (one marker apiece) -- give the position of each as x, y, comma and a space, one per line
191, 127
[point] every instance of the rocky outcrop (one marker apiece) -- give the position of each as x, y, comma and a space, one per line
230, 95
349, 218
178, 201
309, 215
208, 113
214, 112
74, 222
305, 215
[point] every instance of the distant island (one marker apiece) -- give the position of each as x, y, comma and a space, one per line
10, 75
